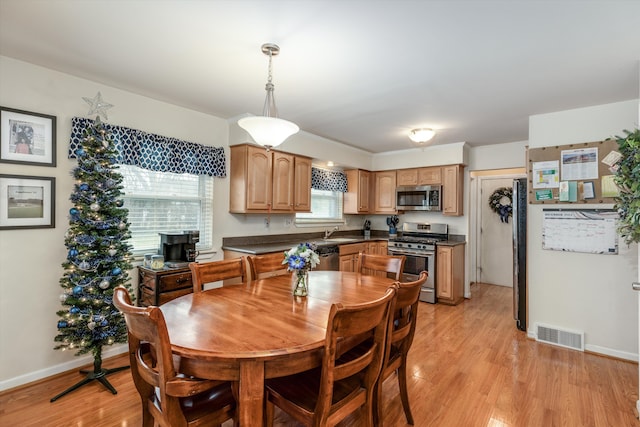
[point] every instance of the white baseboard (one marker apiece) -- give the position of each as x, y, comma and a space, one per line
63, 367
598, 349
611, 352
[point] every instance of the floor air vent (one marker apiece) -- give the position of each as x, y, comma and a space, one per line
563, 338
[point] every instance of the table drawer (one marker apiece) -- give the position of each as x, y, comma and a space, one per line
172, 282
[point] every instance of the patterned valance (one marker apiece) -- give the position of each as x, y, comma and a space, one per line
155, 152
323, 179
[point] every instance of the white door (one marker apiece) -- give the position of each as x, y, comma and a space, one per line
495, 252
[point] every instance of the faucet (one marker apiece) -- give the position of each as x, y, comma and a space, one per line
328, 233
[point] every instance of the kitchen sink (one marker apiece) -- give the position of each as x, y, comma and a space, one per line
339, 240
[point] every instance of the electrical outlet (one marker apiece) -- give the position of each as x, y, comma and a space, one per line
266, 221
287, 222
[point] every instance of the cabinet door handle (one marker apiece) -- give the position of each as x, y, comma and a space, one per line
635, 286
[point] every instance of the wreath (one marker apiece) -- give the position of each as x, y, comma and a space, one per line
501, 201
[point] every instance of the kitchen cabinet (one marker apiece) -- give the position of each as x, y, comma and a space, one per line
302, 184
430, 176
419, 176
377, 247
452, 189
450, 274
357, 199
407, 176
349, 255
155, 287
264, 181
385, 192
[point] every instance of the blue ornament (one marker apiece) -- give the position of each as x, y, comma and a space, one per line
84, 187
80, 152
116, 271
74, 310
77, 290
73, 253
74, 211
62, 324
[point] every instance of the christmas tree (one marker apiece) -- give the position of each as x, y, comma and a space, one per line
98, 256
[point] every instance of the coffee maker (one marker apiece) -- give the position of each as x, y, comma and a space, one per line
179, 249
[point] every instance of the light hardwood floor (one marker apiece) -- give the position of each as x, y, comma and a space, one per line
469, 367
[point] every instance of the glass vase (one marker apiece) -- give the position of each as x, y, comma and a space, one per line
301, 285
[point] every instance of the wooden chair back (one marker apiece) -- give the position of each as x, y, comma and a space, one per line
381, 265
267, 265
208, 272
168, 398
344, 384
402, 326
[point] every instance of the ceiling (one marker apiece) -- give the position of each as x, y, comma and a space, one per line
361, 72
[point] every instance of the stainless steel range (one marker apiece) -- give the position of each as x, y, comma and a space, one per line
417, 243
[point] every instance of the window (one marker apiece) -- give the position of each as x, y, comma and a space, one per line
326, 207
164, 202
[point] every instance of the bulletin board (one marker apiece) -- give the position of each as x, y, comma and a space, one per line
573, 173
580, 230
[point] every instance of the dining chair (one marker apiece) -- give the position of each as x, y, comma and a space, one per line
208, 272
169, 399
381, 265
267, 265
340, 386
402, 326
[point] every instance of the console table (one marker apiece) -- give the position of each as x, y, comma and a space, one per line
155, 287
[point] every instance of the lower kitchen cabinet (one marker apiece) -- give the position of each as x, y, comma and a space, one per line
155, 287
450, 274
349, 255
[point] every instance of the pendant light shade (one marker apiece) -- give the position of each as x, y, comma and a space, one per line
268, 130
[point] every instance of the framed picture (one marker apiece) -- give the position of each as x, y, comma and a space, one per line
27, 202
27, 138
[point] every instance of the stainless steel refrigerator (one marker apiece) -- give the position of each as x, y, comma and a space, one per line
519, 211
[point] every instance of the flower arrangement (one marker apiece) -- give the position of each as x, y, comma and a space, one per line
301, 259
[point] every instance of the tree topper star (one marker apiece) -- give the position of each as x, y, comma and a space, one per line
97, 106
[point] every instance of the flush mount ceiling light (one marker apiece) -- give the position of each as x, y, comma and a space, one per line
268, 130
421, 135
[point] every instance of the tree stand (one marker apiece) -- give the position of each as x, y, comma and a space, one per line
98, 373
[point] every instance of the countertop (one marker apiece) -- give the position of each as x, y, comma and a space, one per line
260, 248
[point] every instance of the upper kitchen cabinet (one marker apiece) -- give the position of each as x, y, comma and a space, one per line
452, 189
430, 176
407, 176
385, 192
302, 184
419, 176
357, 199
268, 181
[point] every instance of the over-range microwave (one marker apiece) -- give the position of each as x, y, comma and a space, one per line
419, 198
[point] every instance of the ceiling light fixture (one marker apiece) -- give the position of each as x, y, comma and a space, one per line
422, 135
268, 130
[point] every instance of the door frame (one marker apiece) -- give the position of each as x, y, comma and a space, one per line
475, 179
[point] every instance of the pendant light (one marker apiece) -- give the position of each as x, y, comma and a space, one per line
268, 130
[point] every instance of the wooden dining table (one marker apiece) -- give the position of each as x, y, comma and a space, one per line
257, 330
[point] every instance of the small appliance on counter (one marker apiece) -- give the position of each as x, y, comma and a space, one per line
179, 249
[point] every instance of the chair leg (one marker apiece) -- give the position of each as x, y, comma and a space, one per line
268, 413
377, 403
404, 395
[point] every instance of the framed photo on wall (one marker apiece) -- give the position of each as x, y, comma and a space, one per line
27, 138
27, 202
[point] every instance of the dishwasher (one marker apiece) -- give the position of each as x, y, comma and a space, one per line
329, 258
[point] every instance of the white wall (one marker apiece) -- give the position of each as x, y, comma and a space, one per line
578, 291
